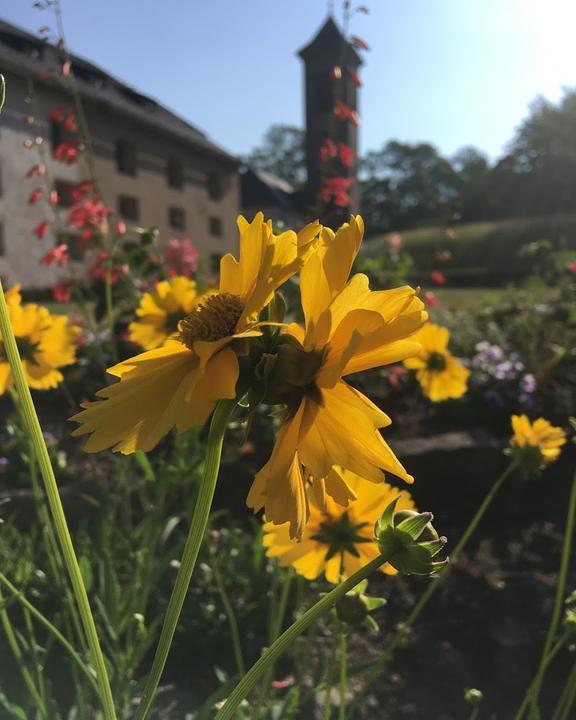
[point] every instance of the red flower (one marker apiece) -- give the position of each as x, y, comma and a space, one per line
343, 112
86, 236
88, 214
35, 196
181, 257
571, 266
61, 291
41, 229
359, 43
39, 170
58, 255
437, 277
346, 154
120, 227
356, 79
57, 115
69, 123
66, 152
335, 190
328, 150
103, 263
77, 192
53, 197
430, 299
336, 72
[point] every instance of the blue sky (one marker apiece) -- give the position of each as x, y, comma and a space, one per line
452, 72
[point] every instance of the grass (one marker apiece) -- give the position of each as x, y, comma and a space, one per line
457, 298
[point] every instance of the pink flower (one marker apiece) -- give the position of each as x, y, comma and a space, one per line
437, 277
346, 154
336, 72
61, 291
41, 229
58, 255
335, 190
103, 262
89, 214
35, 196
86, 236
39, 170
53, 197
571, 266
395, 375
328, 150
65, 70
430, 299
69, 123
77, 192
120, 227
181, 257
344, 112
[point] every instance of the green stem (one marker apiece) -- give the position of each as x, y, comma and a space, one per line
343, 675
559, 645
566, 701
13, 643
279, 646
43, 620
230, 614
56, 509
110, 307
192, 547
330, 672
435, 583
559, 601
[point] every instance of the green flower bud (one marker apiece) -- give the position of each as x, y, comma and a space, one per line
409, 541
354, 607
473, 696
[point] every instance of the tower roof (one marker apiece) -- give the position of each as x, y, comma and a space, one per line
327, 44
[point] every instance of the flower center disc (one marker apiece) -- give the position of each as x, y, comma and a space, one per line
213, 319
436, 362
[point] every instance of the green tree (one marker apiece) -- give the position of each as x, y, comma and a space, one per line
473, 169
281, 153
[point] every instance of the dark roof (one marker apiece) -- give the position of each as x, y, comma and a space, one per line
28, 55
259, 188
328, 43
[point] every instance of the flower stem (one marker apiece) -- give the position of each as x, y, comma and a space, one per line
279, 646
560, 595
15, 647
343, 674
435, 583
43, 620
192, 547
566, 701
330, 672
34, 430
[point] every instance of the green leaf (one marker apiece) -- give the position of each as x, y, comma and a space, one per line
415, 525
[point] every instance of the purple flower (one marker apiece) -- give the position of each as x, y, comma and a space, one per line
528, 383
3, 462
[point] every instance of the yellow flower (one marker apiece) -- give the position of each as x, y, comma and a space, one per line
161, 310
337, 541
535, 444
46, 343
178, 385
348, 328
440, 374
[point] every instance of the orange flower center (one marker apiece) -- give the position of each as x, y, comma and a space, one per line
213, 319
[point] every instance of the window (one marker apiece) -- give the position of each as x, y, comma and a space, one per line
177, 218
56, 134
63, 189
126, 162
75, 248
215, 226
215, 187
2, 243
175, 173
128, 208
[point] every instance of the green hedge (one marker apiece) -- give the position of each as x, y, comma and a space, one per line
484, 253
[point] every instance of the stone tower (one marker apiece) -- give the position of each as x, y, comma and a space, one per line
329, 50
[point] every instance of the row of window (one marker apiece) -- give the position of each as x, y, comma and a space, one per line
127, 163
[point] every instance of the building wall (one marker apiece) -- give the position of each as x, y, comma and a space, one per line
21, 251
